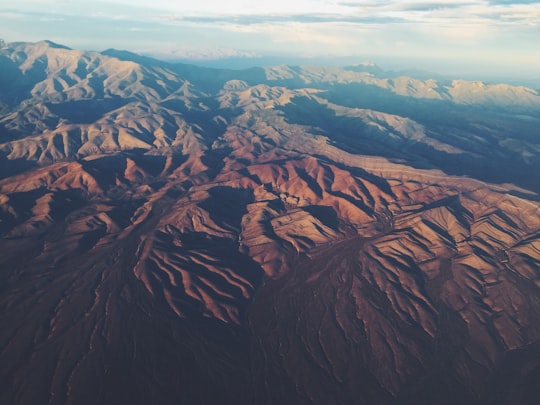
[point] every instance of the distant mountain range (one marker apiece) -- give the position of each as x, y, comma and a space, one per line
276, 235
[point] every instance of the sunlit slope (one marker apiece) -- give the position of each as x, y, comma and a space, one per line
164, 230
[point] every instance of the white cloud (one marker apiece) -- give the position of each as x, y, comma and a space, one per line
11, 15
415, 28
237, 7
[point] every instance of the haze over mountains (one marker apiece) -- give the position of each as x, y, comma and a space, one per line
282, 235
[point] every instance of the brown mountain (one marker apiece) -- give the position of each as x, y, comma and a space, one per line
172, 234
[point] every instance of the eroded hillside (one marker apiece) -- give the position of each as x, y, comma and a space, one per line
164, 229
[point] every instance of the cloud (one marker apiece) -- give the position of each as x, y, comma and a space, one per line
458, 29
512, 2
200, 54
430, 6
373, 12
283, 19
11, 15
439, 21
52, 19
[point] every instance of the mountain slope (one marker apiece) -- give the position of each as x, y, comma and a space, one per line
162, 232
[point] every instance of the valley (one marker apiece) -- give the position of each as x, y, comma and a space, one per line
284, 235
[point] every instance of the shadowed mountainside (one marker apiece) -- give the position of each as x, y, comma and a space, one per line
283, 235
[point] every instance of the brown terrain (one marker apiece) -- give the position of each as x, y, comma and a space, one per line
290, 235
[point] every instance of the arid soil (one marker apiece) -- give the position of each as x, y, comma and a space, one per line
177, 235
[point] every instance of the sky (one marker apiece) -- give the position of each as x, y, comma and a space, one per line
490, 36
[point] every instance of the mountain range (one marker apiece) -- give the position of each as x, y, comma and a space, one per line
290, 234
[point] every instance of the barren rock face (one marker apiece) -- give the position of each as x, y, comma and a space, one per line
268, 234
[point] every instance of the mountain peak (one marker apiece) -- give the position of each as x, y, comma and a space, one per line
129, 56
52, 44
284, 235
